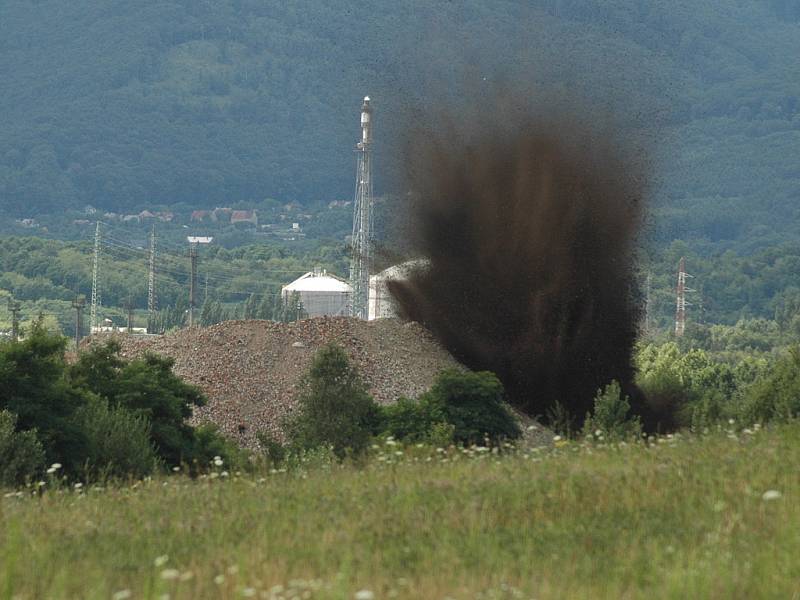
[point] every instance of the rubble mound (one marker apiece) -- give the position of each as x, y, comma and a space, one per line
252, 371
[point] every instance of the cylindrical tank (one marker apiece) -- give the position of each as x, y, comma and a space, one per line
322, 294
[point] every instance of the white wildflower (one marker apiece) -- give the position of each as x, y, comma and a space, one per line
219, 579
170, 574
122, 595
771, 495
160, 561
365, 595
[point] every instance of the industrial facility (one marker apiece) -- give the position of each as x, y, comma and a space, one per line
321, 293
381, 303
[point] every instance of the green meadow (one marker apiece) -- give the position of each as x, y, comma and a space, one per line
707, 516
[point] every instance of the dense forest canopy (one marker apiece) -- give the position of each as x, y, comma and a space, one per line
124, 105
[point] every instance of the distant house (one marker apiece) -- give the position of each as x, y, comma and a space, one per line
244, 216
165, 216
130, 219
200, 215
339, 203
146, 215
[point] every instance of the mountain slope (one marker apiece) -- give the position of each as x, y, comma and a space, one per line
128, 104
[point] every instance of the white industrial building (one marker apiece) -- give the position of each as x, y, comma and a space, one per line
321, 293
381, 302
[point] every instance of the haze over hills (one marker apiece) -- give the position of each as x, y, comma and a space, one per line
130, 104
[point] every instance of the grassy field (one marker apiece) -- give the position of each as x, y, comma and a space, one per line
716, 516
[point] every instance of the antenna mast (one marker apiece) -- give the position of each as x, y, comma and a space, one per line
95, 288
361, 259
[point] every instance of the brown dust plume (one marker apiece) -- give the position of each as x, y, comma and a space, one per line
529, 233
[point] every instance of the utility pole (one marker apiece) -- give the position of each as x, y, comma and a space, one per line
78, 304
361, 259
14, 307
680, 301
129, 309
192, 282
95, 273
151, 279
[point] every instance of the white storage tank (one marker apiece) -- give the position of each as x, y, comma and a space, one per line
321, 293
381, 302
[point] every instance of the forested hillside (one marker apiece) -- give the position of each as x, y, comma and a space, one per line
124, 105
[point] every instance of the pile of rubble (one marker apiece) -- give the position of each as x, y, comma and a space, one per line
252, 371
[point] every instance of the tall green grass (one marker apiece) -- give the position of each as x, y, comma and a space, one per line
716, 516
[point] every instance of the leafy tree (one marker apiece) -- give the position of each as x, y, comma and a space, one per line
147, 387
21, 452
251, 307
211, 313
776, 396
119, 443
34, 387
612, 415
473, 403
334, 409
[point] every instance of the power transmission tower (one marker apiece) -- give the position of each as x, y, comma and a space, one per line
128, 306
361, 260
14, 307
95, 272
680, 301
192, 282
151, 278
78, 304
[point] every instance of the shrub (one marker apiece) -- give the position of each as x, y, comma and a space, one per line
410, 420
119, 442
461, 407
273, 450
21, 453
473, 404
33, 386
148, 387
776, 396
209, 443
611, 415
334, 409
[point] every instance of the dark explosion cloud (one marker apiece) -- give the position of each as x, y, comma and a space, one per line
530, 232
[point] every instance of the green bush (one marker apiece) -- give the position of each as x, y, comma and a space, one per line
21, 453
148, 387
119, 442
334, 408
410, 420
210, 443
776, 396
273, 450
461, 407
473, 404
33, 386
611, 417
